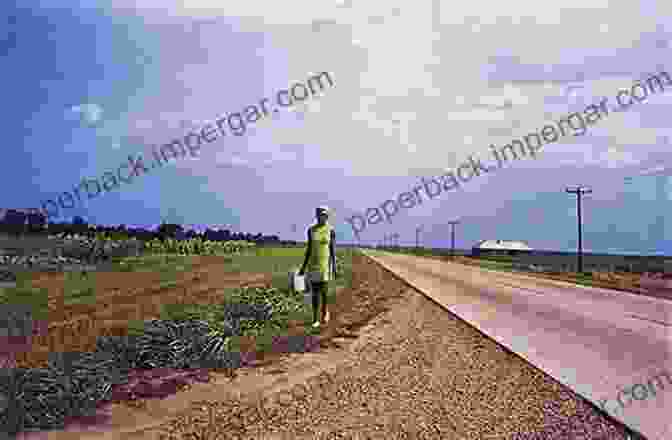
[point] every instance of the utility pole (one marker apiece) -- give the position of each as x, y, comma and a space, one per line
417, 237
396, 239
578, 191
452, 237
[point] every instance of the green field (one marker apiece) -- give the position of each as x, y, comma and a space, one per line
24, 294
497, 265
278, 262
80, 287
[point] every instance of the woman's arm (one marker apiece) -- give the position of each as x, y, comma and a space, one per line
305, 260
332, 252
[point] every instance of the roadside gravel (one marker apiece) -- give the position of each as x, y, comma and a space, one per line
415, 372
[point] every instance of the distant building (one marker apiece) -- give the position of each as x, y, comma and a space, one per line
500, 247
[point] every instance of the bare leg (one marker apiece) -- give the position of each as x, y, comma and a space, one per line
324, 289
315, 291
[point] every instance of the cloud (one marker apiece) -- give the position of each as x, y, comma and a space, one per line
233, 161
411, 97
615, 158
575, 94
87, 113
255, 159
371, 85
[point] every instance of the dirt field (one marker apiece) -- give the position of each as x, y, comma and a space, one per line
391, 365
116, 291
122, 297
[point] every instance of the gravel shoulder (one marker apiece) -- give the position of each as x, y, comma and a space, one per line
414, 371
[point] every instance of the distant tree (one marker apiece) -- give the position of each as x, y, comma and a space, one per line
36, 222
210, 234
141, 234
120, 232
137, 233
79, 225
102, 231
168, 230
54, 228
94, 230
14, 222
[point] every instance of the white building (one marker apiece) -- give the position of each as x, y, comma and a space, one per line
506, 247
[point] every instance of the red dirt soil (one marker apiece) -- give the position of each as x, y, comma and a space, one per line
120, 297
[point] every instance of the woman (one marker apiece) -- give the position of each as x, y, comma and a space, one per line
320, 261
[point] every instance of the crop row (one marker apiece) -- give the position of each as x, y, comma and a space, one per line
78, 250
196, 246
187, 345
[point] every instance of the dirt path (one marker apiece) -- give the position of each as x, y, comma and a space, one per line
414, 371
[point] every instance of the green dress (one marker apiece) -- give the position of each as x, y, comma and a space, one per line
319, 264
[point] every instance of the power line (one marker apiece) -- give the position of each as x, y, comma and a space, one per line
452, 237
579, 191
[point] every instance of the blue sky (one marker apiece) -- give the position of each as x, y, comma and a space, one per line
418, 87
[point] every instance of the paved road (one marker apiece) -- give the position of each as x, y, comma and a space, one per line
613, 348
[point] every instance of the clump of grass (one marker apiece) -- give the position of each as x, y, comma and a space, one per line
36, 298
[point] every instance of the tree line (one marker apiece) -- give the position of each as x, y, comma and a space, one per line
19, 223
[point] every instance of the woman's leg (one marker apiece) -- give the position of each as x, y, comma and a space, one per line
314, 288
320, 290
324, 290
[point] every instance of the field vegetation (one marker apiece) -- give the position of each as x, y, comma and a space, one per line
192, 334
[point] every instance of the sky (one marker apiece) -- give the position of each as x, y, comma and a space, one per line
418, 87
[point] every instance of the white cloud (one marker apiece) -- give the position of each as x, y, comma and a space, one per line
416, 63
444, 84
232, 161
576, 94
87, 113
615, 158
505, 97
